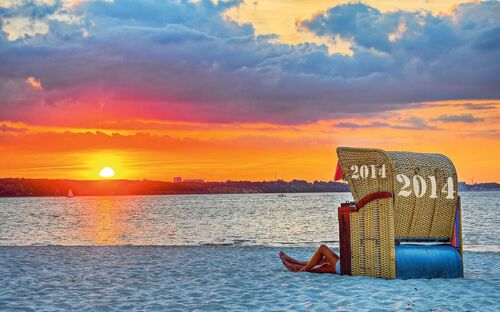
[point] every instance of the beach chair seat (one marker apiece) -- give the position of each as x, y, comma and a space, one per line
405, 207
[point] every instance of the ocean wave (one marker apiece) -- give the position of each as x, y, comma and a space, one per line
471, 248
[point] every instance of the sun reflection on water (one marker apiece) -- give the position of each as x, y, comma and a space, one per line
106, 222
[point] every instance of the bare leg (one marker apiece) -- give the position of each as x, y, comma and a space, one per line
323, 268
323, 261
295, 261
322, 252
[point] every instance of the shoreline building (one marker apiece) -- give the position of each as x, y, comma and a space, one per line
193, 181
180, 180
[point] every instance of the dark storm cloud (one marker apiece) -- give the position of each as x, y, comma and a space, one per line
183, 60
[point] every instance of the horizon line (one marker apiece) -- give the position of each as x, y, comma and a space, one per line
202, 180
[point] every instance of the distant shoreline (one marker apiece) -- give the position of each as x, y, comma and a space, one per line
177, 194
234, 193
20, 187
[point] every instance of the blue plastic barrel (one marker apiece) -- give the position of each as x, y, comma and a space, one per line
428, 261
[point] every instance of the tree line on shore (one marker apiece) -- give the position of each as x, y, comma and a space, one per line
61, 187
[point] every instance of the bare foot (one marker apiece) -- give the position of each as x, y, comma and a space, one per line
291, 260
290, 266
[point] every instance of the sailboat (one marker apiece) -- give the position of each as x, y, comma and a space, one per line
70, 193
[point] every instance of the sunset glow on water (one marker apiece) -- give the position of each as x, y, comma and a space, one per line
296, 220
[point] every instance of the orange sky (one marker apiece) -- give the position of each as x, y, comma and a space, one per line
152, 149
117, 113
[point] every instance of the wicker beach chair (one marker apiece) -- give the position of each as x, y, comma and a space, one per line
405, 221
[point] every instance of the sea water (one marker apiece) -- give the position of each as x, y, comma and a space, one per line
194, 220
215, 252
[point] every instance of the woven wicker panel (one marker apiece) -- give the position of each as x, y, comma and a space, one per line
372, 228
349, 157
424, 217
372, 240
386, 235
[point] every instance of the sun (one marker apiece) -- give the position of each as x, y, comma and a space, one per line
107, 172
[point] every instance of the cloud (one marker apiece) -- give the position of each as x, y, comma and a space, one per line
469, 118
480, 106
35, 83
489, 134
182, 60
353, 125
6, 128
27, 19
410, 123
415, 123
398, 33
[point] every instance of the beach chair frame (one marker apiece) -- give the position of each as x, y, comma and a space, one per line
386, 213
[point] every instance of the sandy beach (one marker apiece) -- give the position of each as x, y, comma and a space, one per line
215, 278
213, 253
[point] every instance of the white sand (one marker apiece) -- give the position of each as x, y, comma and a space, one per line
221, 278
